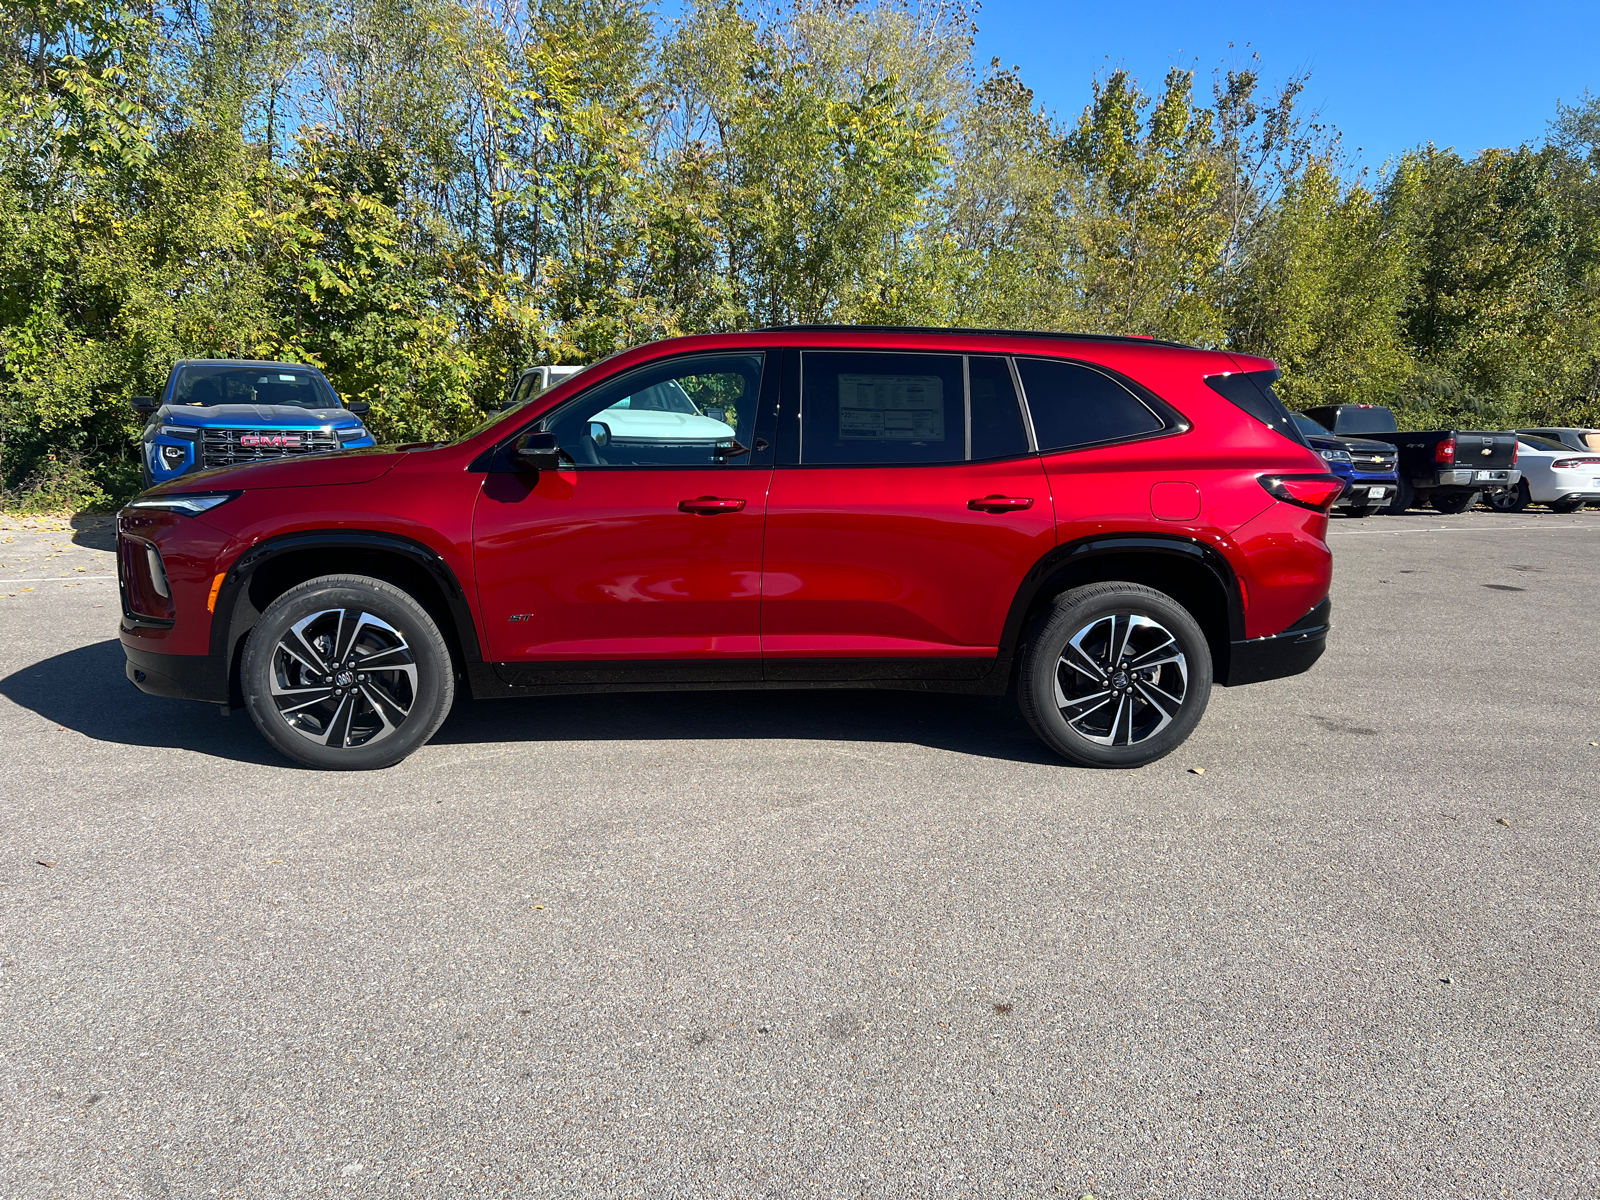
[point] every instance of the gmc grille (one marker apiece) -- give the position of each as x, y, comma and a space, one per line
229, 447
1372, 463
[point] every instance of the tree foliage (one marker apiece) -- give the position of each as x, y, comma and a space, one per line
421, 196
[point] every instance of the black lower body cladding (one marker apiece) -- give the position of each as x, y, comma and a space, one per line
1279, 655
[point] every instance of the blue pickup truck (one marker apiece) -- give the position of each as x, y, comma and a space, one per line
1368, 468
222, 412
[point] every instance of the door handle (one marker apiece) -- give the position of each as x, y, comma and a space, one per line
1000, 504
709, 506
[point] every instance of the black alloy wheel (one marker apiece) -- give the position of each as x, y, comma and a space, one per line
1567, 506
1455, 502
1512, 500
345, 672
1114, 675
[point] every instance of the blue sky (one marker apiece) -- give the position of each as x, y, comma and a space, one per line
1390, 76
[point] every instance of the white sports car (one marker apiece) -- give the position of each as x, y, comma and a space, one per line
1552, 474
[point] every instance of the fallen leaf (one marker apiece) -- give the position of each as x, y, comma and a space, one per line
1197, 770
45, 863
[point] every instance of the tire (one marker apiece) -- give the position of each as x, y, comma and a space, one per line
1155, 715
1364, 511
1455, 502
1404, 494
390, 710
1566, 506
1512, 500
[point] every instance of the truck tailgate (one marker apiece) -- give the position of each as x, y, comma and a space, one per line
1486, 451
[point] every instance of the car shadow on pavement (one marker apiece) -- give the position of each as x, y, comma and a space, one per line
86, 690
97, 531
984, 726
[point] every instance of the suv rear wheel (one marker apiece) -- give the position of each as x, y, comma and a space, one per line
347, 673
1115, 675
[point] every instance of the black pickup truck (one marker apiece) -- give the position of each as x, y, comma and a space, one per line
1448, 468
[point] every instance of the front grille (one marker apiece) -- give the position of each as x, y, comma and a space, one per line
1371, 463
229, 447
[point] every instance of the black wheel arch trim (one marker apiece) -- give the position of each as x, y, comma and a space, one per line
1064, 558
229, 623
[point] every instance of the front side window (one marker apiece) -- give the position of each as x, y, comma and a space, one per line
859, 409
685, 412
1075, 405
205, 385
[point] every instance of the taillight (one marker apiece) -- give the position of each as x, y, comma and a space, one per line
1445, 451
1308, 491
1566, 464
1516, 448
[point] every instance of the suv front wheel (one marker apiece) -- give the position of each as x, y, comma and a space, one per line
347, 673
1114, 675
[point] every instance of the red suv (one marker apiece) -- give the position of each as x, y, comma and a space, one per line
1106, 524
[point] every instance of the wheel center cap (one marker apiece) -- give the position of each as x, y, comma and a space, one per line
344, 678
1120, 679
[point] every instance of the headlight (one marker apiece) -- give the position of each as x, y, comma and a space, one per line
173, 457
1336, 455
183, 431
189, 506
352, 435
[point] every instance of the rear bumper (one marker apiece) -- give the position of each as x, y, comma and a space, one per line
1464, 479
1282, 654
178, 676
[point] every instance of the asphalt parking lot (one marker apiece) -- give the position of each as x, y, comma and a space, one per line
825, 944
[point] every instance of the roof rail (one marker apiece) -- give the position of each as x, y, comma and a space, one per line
1142, 339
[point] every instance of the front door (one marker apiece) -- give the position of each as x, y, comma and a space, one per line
641, 556
901, 525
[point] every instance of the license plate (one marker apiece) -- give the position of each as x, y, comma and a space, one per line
1377, 493
1489, 475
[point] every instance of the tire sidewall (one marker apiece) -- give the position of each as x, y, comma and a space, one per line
1072, 611
435, 672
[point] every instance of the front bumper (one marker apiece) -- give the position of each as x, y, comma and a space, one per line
1279, 655
1361, 493
178, 676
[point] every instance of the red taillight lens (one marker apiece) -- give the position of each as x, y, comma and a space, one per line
1516, 449
1308, 491
1566, 464
1445, 451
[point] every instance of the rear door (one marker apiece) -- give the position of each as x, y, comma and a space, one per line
906, 509
642, 554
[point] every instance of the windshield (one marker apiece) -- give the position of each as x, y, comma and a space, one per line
202, 385
1307, 426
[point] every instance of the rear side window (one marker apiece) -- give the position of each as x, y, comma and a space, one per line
867, 408
997, 429
1076, 405
1252, 391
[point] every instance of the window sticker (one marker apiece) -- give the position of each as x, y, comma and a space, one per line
891, 408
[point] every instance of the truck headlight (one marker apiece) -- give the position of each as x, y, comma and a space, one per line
1335, 455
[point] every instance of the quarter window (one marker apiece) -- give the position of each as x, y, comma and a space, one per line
1075, 405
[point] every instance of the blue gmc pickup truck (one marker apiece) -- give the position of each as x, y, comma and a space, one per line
222, 412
